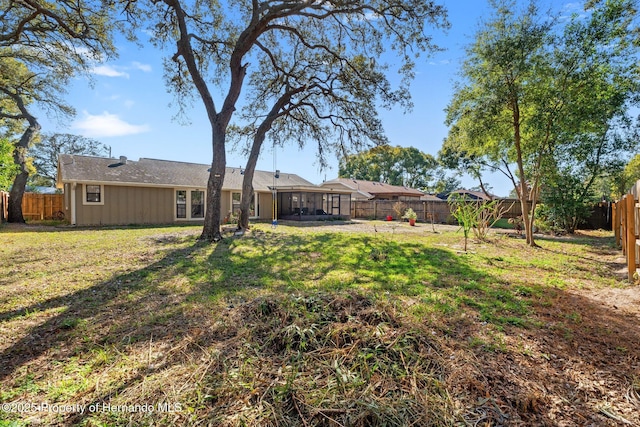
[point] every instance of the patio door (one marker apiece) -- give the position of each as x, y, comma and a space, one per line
335, 204
254, 207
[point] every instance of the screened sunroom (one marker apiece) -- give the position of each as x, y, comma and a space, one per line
311, 204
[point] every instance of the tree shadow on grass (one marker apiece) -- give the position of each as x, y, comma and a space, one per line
176, 311
105, 303
578, 366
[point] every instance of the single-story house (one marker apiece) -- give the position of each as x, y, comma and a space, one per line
371, 190
107, 191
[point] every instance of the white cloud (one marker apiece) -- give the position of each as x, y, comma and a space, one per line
573, 7
109, 71
120, 71
570, 9
142, 67
106, 125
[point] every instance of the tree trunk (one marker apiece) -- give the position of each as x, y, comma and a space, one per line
15, 197
20, 182
247, 193
527, 217
212, 219
482, 187
256, 146
247, 181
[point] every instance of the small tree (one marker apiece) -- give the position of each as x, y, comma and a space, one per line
465, 211
475, 215
399, 208
488, 214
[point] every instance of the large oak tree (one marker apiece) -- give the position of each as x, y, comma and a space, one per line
43, 44
315, 70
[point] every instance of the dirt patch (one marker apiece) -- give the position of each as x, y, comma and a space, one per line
626, 300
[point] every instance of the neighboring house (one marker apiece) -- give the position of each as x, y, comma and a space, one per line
468, 194
370, 190
107, 191
430, 198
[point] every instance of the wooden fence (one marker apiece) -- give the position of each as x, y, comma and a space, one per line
37, 206
4, 206
626, 225
437, 211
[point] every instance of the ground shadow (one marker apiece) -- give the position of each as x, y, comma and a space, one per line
575, 340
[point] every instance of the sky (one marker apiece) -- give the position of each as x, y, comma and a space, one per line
127, 106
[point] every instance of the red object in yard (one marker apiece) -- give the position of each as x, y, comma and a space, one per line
389, 218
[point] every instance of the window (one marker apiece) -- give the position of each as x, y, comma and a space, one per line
190, 204
181, 204
197, 204
254, 207
93, 194
235, 203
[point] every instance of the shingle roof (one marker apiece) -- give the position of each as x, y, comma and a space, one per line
474, 195
163, 173
431, 197
376, 188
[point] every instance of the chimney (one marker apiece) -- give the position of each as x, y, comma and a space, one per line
123, 160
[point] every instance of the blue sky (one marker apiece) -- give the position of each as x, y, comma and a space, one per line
129, 108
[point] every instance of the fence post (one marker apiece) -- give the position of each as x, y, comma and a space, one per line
631, 234
615, 223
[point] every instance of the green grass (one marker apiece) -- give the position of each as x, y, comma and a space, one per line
284, 326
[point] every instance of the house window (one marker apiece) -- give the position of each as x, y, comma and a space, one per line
197, 204
235, 203
254, 207
93, 194
181, 204
190, 204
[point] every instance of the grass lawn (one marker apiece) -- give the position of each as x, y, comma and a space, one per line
314, 326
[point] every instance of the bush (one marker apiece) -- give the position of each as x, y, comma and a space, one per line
410, 214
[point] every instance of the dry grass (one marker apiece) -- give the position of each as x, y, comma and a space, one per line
344, 325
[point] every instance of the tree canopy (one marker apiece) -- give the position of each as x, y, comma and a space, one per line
8, 169
43, 44
314, 69
45, 154
393, 165
535, 88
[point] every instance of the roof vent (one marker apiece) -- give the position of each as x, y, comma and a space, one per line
123, 160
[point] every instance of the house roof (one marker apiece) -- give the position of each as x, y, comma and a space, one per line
375, 188
474, 195
430, 197
160, 173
